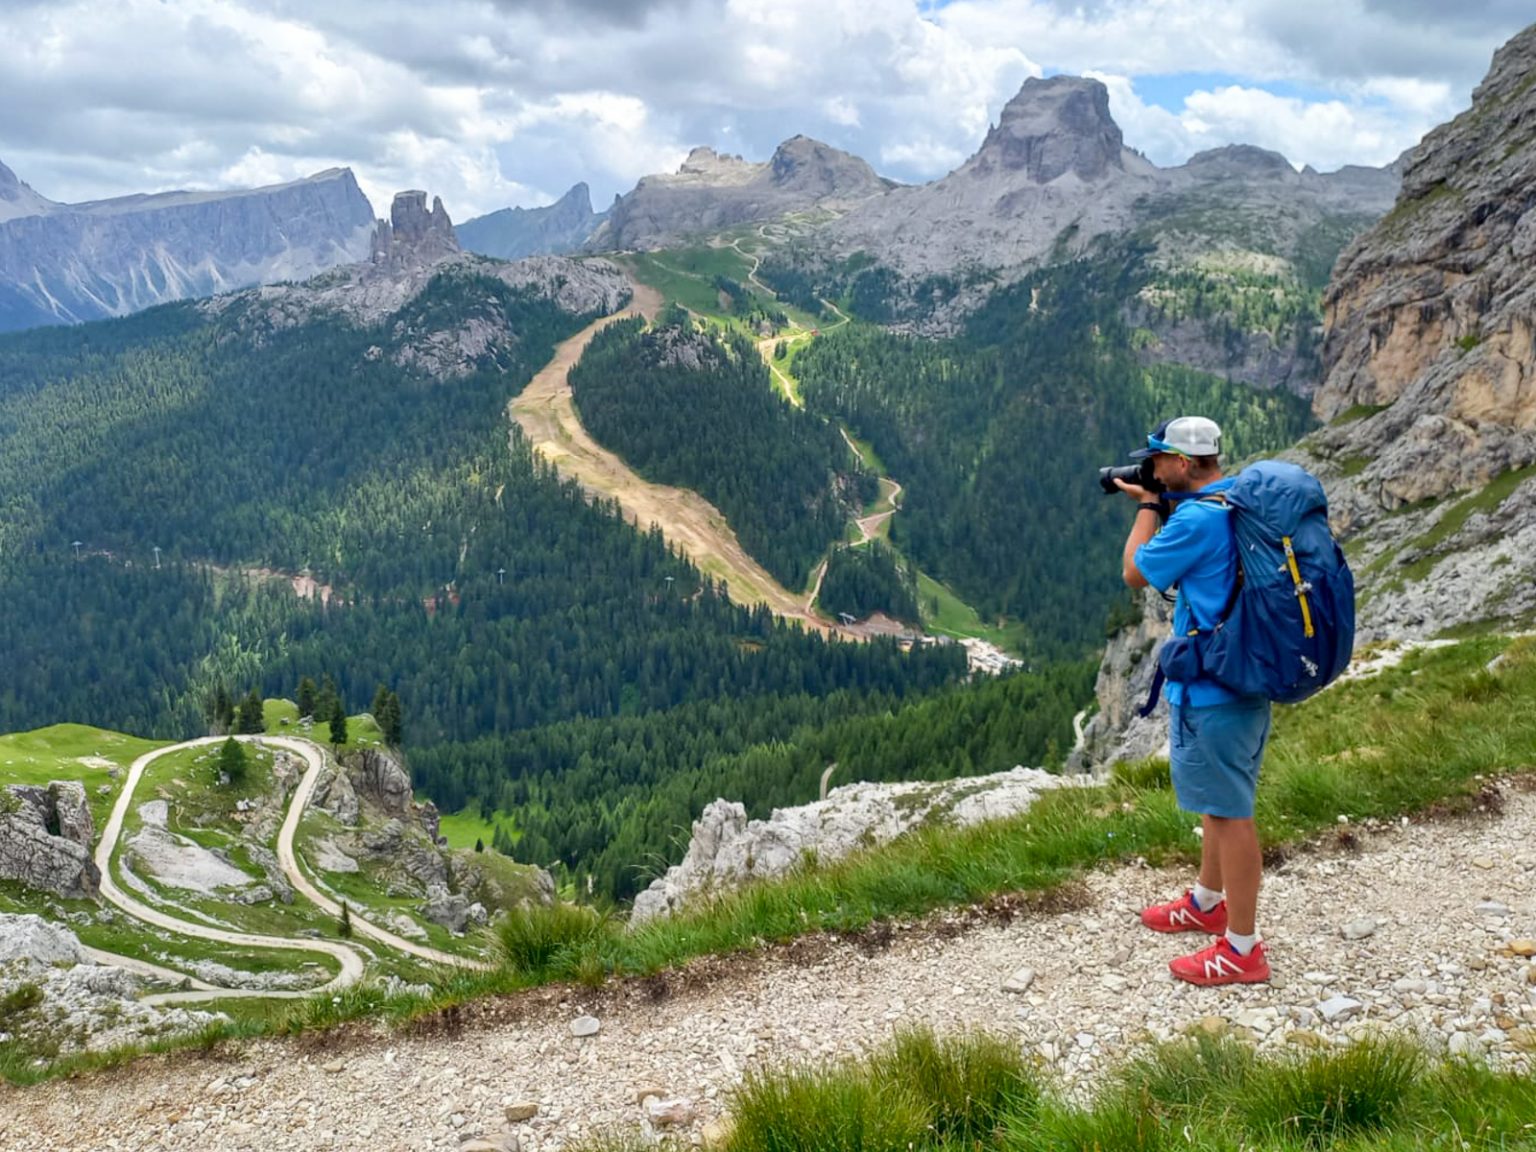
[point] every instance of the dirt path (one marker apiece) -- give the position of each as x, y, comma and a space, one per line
870, 525
351, 963
1439, 914
352, 966
546, 413
314, 761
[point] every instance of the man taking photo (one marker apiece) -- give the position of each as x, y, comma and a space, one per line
1216, 738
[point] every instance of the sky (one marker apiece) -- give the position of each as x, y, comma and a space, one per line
493, 103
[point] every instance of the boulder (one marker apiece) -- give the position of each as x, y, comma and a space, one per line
31, 852
452, 910
32, 940
334, 794
382, 780
727, 849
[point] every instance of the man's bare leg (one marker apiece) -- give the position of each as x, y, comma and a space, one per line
1240, 865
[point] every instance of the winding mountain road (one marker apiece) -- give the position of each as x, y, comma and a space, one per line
351, 962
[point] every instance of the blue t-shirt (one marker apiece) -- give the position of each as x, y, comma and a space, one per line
1195, 551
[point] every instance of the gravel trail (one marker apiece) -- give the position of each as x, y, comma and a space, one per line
1424, 929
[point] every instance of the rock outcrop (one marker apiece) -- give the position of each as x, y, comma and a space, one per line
413, 235
712, 191
69, 263
73, 1004
1116, 732
1430, 374
45, 839
1054, 175
513, 233
379, 776
728, 850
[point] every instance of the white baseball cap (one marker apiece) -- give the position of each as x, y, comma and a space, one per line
1183, 436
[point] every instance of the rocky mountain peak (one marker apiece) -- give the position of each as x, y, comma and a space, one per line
1053, 127
578, 199
8, 179
413, 234
805, 165
1240, 160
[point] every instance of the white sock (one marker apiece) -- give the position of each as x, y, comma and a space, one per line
1206, 898
1240, 943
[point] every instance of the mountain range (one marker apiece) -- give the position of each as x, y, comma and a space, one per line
512, 233
1051, 179
69, 263
1054, 175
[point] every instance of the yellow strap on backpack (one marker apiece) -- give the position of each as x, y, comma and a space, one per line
1301, 587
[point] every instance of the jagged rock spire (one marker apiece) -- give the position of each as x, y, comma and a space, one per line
413, 234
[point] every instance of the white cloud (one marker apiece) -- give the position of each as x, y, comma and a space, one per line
1326, 134
489, 102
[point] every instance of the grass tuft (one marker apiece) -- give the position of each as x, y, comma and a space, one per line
836, 1109
1331, 1095
539, 940
968, 1084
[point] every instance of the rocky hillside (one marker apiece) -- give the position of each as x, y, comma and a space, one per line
408, 252
1429, 391
711, 192
68, 263
1430, 374
513, 233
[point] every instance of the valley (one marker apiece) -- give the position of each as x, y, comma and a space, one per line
596, 530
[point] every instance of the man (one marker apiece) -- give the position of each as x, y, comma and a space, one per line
1216, 739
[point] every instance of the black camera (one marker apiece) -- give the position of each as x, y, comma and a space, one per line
1138, 474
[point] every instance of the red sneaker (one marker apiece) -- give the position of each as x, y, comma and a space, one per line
1184, 915
1222, 964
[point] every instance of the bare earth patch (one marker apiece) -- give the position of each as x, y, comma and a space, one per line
546, 413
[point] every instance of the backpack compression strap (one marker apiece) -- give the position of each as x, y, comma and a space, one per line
1159, 677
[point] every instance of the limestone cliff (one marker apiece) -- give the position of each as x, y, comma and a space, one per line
1430, 373
712, 191
68, 263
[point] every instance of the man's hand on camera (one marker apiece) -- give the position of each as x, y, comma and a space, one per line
1137, 493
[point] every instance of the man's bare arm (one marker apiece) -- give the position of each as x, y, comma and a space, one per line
1143, 529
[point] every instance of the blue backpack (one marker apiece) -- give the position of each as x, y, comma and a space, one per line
1289, 627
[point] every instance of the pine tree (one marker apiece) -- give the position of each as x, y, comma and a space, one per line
390, 720
305, 697
232, 761
325, 702
252, 721
223, 711
380, 704
346, 921
339, 725
479, 844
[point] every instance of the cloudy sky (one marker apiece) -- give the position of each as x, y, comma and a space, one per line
497, 102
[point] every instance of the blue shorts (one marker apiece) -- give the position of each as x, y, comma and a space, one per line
1216, 752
